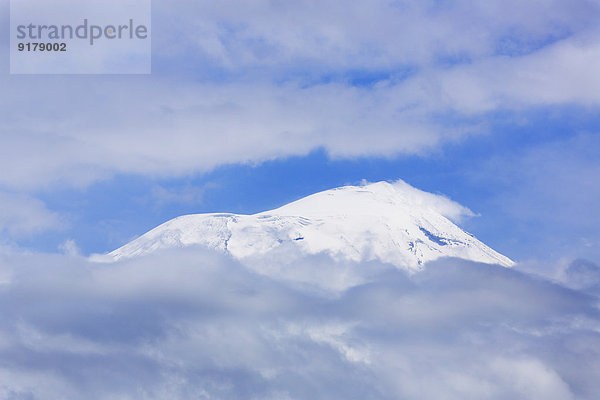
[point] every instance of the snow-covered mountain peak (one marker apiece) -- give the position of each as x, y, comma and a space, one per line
375, 199
389, 222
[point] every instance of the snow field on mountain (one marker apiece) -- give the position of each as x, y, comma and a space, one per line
392, 223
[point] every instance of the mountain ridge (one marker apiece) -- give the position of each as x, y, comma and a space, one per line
391, 222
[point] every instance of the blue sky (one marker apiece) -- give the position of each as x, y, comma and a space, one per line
108, 213
252, 106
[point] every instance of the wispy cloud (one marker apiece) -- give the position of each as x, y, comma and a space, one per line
315, 38
440, 203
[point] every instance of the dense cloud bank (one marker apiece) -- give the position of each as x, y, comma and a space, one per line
191, 324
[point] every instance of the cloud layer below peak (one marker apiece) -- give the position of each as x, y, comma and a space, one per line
194, 324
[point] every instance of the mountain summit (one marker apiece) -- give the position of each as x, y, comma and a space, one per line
389, 222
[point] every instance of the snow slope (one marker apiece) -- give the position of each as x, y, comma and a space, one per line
393, 223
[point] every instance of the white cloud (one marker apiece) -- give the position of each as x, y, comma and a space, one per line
195, 324
440, 203
315, 36
562, 73
70, 248
241, 83
23, 216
